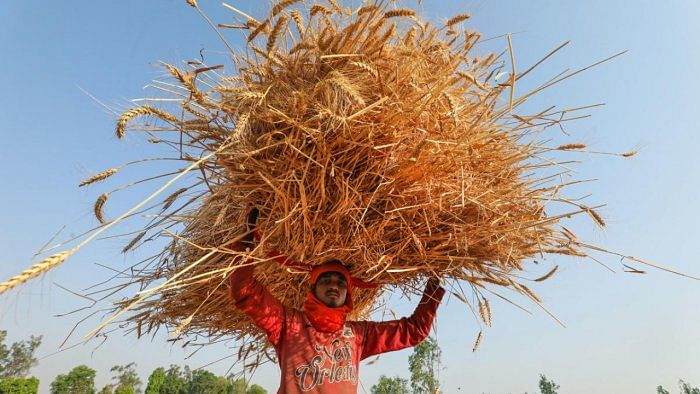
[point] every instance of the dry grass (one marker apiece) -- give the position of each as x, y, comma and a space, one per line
380, 144
389, 146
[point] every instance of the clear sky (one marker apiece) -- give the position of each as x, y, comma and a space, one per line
625, 333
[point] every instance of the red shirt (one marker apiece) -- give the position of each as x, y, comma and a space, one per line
317, 362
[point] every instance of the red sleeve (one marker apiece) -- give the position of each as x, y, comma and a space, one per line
251, 298
399, 334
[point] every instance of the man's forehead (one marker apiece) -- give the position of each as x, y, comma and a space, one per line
330, 274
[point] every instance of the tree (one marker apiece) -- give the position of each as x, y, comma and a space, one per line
14, 385
687, 389
661, 390
174, 382
19, 359
128, 381
125, 390
106, 390
156, 381
424, 365
256, 389
548, 386
80, 380
239, 386
203, 381
394, 385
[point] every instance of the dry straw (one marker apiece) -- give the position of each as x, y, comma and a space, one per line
384, 145
378, 140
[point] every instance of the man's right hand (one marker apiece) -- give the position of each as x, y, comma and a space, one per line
249, 237
432, 286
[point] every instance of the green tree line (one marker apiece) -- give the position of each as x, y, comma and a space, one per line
17, 360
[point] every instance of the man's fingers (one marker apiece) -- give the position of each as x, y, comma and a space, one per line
252, 217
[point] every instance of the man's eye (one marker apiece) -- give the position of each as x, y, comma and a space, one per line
342, 283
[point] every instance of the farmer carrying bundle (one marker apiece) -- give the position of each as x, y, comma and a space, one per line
317, 350
364, 136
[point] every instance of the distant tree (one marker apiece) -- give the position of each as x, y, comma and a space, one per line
125, 390
17, 360
156, 381
661, 390
175, 381
127, 380
394, 385
687, 389
548, 386
238, 386
256, 389
424, 365
14, 385
106, 390
203, 381
80, 380
241, 386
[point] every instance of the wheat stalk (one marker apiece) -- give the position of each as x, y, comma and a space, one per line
367, 8
571, 146
478, 341
457, 19
547, 275
35, 270
594, 215
280, 25
141, 111
316, 8
279, 7
298, 20
336, 6
99, 204
133, 242
485, 311
262, 27
367, 68
399, 13
168, 201
99, 177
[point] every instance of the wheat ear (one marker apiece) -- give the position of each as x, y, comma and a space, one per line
36, 270
99, 177
140, 111
99, 204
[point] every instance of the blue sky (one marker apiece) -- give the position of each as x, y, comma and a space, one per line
625, 333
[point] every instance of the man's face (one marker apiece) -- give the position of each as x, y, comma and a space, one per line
332, 289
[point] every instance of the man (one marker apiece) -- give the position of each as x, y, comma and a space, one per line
317, 349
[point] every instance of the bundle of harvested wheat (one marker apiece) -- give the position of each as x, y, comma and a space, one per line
366, 135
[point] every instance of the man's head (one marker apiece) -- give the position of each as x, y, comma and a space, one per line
331, 288
331, 284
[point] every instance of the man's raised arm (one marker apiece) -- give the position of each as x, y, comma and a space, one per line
252, 298
406, 332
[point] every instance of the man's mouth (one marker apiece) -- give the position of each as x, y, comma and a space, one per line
332, 294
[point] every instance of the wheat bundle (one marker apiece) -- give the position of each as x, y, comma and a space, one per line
366, 135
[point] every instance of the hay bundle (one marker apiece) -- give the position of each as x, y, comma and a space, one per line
365, 135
